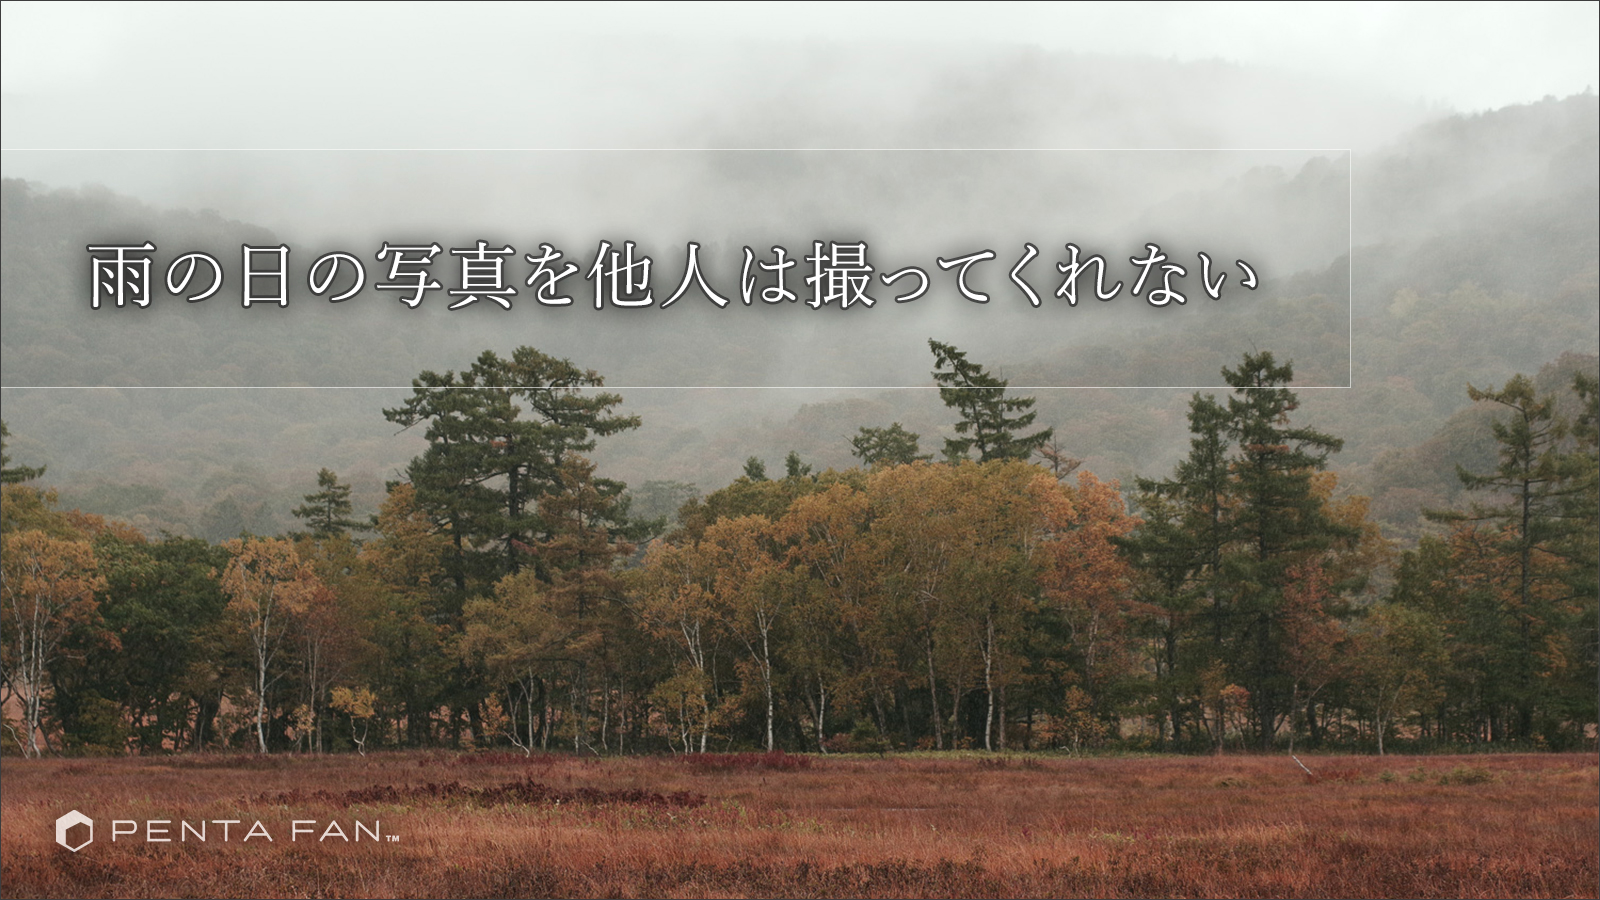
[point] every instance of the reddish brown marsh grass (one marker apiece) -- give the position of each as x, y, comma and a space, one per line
1479, 826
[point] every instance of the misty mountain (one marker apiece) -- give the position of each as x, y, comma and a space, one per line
1474, 245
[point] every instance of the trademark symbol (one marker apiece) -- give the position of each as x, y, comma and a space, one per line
392, 837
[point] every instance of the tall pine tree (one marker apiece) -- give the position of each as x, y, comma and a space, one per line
1220, 539
992, 422
1179, 549
1536, 527
498, 435
328, 510
1277, 519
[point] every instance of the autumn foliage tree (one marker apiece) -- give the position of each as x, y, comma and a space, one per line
1087, 583
672, 599
268, 588
906, 601
47, 587
518, 637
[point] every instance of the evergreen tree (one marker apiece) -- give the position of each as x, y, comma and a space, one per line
755, 469
1544, 506
501, 436
328, 510
892, 446
498, 435
992, 421
18, 474
793, 467
1179, 549
1221, 537
1580, 548
1276, 517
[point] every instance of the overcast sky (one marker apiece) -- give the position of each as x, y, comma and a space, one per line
270, 58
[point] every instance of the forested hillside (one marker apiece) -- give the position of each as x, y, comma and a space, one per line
1365, 518
1475, 248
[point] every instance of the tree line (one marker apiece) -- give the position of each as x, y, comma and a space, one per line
998, 598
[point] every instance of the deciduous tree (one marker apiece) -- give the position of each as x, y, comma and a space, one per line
268, 586
47, 587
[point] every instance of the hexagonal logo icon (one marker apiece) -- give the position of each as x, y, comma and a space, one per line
74, 831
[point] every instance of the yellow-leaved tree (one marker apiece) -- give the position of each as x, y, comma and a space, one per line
268, 586
47, 587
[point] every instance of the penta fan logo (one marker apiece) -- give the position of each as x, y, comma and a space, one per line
74, 831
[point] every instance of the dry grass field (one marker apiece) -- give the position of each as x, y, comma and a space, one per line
498, 825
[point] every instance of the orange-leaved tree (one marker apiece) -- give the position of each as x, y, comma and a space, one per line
1086, 581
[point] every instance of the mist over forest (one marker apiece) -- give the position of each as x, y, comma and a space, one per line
1473, 246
